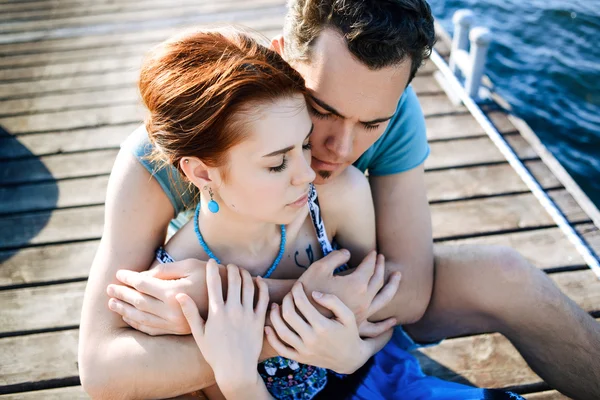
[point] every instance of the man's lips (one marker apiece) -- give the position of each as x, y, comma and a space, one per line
323, 165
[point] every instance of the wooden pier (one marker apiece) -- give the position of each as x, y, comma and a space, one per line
68, 98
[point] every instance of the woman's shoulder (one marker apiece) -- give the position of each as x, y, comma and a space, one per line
350, 180
346, 193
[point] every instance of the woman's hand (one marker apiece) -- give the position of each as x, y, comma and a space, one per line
317, 340
231, 338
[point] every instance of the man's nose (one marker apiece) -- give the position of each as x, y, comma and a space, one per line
340, 141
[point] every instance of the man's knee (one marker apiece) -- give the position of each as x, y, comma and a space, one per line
500, 261
488, 275
509, 267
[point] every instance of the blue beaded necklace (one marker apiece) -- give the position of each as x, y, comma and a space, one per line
211, 255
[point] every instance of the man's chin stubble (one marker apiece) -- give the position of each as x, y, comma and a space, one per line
324, 174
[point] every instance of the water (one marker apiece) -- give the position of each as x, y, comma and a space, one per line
545, 61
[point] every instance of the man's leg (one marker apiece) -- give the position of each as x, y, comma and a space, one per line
493, 289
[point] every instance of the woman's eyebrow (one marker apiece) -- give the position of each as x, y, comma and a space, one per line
286, 149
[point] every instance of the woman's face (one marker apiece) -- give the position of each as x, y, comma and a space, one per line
268, 174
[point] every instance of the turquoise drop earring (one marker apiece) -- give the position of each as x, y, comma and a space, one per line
213, 206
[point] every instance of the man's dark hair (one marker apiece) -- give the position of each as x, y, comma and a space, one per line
379, 33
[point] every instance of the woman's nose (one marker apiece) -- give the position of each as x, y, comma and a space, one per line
304, 173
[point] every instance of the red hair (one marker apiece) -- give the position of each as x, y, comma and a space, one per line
196, 84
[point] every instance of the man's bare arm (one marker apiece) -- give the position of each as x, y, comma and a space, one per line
115, 360
404, 236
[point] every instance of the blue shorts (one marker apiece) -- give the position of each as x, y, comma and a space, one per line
394, 373
406, 343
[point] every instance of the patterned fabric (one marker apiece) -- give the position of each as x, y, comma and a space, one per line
163, 257
288, 379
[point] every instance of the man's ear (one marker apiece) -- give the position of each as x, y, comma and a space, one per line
195, 170
277, 44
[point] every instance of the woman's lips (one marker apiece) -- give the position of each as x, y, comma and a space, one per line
300, 202
323, 165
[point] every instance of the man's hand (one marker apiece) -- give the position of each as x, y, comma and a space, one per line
362, 290
147, 303
316, 340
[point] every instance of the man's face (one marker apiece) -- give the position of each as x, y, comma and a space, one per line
350, 104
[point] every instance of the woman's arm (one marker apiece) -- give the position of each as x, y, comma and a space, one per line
231, 336
116, 361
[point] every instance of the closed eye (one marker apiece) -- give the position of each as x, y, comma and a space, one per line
280, 167
317, 114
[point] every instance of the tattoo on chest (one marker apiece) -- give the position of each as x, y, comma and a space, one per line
309, 254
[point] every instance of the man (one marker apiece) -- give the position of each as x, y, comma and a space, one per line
357, 58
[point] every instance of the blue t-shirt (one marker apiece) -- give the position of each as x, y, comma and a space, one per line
402, 147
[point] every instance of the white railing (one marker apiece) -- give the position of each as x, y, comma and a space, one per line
469, 65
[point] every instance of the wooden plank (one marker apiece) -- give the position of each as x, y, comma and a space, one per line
424, 85
545, 248
62, 9
62, 166
50, 195
80, 67
38, 357
73, 119
124, 79
547, 395
591, 234
47, 264
68, 393
44, 307
138, 44
567, 204
65, 61
472, 151
439, 105
466, 218
131, 17
453, 184
79, 100
42, 144
456, 126
51, 227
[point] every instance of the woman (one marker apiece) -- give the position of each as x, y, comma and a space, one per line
230, 116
